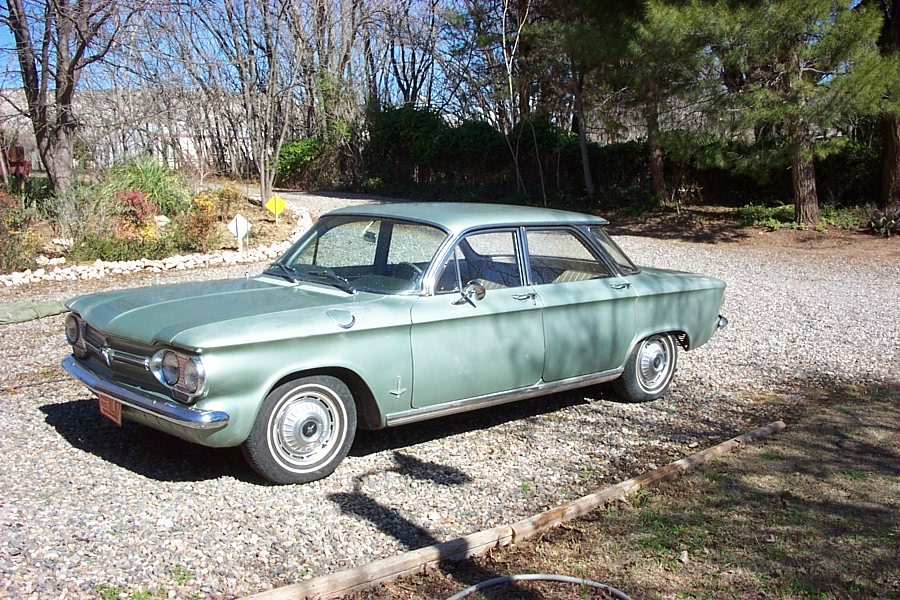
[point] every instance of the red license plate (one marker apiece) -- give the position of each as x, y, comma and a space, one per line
111, 409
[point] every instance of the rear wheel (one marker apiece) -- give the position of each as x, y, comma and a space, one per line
303, 431
648, 370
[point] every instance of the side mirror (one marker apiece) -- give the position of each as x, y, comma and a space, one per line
473, 288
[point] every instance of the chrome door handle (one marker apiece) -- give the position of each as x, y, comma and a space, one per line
529, 296
620, 286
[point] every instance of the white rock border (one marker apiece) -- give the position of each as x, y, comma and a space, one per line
100, 269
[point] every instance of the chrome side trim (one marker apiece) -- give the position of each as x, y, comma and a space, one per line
189, 418
467, 404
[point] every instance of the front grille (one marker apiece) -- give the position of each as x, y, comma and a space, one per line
95, 342
114, 352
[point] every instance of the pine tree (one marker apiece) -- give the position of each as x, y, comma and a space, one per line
793, 69
889, 123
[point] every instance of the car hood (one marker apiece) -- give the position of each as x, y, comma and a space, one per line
214, 313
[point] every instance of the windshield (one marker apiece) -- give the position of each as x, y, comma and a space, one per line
363, 254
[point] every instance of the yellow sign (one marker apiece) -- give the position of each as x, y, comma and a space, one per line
275, 204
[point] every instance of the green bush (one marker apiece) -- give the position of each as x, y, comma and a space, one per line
885, 222
844, 217
34, 193
404, 144
472, 152
295, 159
19, 244
109, 248
163, 186
768, 217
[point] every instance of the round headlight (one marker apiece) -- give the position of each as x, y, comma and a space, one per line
170, 368
73, 329
191, 378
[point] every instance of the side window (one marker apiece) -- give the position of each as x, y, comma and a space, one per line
560, 256
615, 252
489, 257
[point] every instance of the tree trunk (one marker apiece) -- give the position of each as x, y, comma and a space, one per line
657, 162
803, 175
582, 137
888, 43
889, 194
56, 146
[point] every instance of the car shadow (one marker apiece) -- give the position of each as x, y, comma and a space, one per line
142, 450
163, 457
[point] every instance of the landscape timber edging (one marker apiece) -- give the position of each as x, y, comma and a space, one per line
333, 585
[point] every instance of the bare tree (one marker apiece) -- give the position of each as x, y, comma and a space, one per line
412, 46
56, 41
241, 55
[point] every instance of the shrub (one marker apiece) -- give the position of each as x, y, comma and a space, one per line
768, 217
163, 186
196, 231
35, 193
136, 213
295, 159
885, 222
227, 200
19, 243
404, 144
91, 247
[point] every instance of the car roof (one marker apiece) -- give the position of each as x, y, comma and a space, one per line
461, 216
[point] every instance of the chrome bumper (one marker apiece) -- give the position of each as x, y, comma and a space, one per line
170, 411
723, 323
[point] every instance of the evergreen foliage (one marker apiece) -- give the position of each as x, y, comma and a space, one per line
296, 159
793, 71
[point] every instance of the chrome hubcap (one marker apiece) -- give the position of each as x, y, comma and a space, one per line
304, 429
653, 364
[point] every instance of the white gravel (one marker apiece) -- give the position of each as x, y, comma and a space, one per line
86, 507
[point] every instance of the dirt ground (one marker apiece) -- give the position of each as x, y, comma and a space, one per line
264, 230
711, 225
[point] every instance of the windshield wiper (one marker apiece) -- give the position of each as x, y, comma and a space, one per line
286, 272
332, 279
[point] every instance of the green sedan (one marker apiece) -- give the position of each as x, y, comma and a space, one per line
383, 315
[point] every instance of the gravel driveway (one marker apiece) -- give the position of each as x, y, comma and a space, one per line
87, 507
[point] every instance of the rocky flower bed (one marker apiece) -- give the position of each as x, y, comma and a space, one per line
55, 269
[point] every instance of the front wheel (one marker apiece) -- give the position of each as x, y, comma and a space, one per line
303, 431
648, 370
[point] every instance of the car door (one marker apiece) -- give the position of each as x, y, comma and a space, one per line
482, 340
588, 313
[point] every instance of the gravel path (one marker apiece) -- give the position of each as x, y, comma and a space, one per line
89, 509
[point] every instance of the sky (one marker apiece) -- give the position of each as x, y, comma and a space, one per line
7, 59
